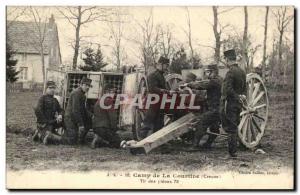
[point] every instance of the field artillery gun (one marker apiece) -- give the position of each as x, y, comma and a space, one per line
253, 117
251, 129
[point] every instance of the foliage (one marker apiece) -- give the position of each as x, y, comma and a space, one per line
11, 73
250, 50
94, 60
181, 61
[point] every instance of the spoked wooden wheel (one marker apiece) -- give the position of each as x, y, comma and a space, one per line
173, 80
139, 113
254, 115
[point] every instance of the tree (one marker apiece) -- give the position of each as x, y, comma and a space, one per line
149, 43
166, 42
179, 62
218, 29
195, 61
80, 16
245, 41
38, 40
94, 60
116, 28
11, 73
248, 51
265, 44
189, 33
282, 20
277, 76
13, 13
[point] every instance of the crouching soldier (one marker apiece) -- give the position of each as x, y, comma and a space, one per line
77, 117
105, 120
210, 118
48, 113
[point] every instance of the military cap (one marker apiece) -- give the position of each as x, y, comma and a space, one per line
85, 80
163, 60
230, 54
191, 76
211, 67
50, 84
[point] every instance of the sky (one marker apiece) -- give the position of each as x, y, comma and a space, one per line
201, 27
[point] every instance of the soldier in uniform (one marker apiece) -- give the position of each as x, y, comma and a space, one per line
211, 117
105, 120
154, 118
77, 117
48, 113
233, 90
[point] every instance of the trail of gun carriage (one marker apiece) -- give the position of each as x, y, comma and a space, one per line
137, 132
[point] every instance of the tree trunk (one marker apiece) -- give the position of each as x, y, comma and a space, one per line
265, 44
77, 39
245, 41
217, 34
43, 66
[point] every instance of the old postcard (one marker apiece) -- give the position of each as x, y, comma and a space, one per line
150, 97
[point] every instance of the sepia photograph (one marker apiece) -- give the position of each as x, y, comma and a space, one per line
150, 97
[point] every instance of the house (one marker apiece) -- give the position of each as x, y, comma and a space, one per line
25, 39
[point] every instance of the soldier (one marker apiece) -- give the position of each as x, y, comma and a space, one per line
105, 120
154, 118
210, 118
77, 117
233, 90
48, 113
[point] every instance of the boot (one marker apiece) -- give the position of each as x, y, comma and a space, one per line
95, 141
36, 136
51, 138
208, 143
232, 144
81, 136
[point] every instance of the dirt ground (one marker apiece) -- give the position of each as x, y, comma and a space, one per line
22, 153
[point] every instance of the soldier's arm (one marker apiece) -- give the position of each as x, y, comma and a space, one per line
59, 109
77, 108
200, 85
152, 84
228, 86
39, 111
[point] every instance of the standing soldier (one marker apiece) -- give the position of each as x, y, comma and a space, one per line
211, 118
77, 117
48, 113
233, 90
154, 118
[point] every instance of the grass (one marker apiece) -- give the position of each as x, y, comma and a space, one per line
278, 142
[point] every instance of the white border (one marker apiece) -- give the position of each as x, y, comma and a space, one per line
296, 3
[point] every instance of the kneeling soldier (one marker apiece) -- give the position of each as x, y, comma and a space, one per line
105, 120
210, 118
77, 117
48, 113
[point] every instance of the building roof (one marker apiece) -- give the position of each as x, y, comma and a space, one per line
24, 36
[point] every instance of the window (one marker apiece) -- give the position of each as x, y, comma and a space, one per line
23, 73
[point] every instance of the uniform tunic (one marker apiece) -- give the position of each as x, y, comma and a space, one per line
76, 115
234, 85
105, 122
154, 117
210, 118
45, 111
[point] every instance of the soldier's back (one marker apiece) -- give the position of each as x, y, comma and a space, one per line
75, 95
235, 80
156, 79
